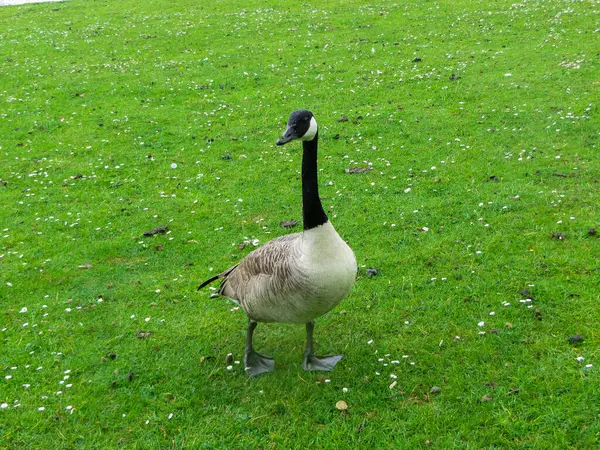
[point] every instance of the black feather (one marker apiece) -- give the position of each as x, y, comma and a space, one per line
210, 280
216, 277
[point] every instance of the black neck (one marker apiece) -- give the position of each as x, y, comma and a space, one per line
312, 210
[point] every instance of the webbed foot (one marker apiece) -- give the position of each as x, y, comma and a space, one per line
255, 363
312, 362
323, 363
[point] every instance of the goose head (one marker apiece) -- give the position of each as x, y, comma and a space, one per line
301, 125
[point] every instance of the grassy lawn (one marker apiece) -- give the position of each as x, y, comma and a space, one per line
480, 122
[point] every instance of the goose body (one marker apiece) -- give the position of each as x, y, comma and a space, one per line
294, 278
298, 277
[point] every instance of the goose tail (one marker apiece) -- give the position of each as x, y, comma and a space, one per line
207, 282
217, 277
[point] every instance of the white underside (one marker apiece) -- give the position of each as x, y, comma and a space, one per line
330, 267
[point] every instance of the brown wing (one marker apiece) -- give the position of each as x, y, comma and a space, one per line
274, 260
269, 283
266, 266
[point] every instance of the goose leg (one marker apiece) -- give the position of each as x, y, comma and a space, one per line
312, 362
255, 363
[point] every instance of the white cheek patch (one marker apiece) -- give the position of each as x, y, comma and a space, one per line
312, 131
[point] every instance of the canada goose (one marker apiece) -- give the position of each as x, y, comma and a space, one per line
298, 277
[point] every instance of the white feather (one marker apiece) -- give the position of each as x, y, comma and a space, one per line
312, 130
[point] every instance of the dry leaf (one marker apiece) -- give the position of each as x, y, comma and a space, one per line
157, 230
358, 169
143, 334
288, 223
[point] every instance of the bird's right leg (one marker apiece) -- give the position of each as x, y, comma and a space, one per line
255, 363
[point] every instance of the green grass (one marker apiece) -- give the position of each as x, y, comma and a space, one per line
490, 142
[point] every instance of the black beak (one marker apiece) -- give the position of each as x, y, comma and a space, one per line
288, 136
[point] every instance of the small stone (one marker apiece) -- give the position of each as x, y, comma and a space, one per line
435, 390
575, 339
371, 272
229, 358
341, 405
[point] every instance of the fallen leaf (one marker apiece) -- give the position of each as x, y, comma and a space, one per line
288, 223
358, 169
157, 230
525, 293
143, 334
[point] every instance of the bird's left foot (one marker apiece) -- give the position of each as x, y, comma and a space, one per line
256, 364
322, 363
